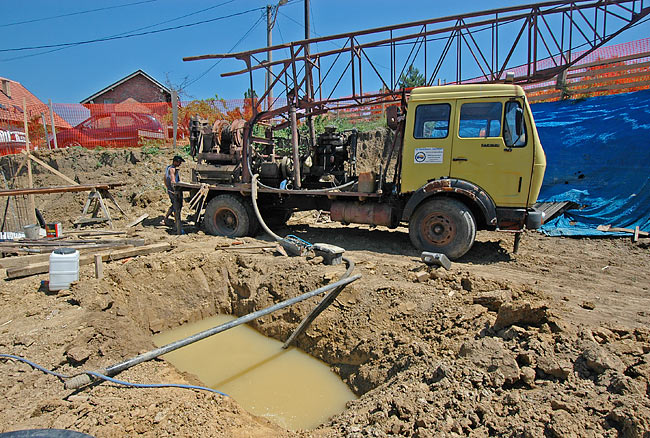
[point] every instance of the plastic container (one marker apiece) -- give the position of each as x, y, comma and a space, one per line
64, 268
32, 231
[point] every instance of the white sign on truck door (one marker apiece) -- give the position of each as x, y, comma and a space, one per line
428, 155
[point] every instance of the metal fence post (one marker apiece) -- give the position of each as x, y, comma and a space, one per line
56, 145
45, 129
174, 115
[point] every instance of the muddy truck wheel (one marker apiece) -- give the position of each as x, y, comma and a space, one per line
443, 225
227, 215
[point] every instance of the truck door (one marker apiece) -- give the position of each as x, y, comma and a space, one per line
491, 149
427, 143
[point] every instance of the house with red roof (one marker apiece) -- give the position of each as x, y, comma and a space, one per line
12, 132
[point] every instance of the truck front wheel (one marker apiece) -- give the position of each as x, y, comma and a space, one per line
226, 215
443, 225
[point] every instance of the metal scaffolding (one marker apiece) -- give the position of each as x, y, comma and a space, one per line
536, 42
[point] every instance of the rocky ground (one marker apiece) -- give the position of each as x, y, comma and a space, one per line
550, 342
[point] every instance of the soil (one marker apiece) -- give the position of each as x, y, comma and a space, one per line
550, 342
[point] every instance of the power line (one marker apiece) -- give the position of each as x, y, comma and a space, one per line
123, 33
252, 28
76, 13
118, 37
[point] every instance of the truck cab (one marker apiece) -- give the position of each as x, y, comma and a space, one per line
471, 159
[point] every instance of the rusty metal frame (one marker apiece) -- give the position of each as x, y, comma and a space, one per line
549, 32
554, 35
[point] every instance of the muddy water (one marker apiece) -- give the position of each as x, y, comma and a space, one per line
289, 387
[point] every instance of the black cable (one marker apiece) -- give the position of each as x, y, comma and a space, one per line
259, 20
166, 29
76, 13
123, 33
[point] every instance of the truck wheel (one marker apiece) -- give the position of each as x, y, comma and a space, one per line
443, 225
226, 215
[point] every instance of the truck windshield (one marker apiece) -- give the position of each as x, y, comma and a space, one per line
480, 120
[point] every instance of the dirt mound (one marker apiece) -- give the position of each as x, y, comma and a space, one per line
500, 345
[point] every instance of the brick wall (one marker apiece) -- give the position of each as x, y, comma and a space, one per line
139, 88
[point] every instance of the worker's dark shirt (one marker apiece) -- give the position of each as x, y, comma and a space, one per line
168, 179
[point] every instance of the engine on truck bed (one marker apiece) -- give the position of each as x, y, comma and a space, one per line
334, 154
218, 152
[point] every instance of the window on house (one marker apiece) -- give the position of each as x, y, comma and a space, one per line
480, 120
108, 101
432, 121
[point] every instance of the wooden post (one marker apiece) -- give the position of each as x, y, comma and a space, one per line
30, 181
56, 145
99, 267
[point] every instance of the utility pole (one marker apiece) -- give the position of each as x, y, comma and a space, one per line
309, 83
271, 15
269, 56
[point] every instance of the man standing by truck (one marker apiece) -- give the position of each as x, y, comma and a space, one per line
172, 176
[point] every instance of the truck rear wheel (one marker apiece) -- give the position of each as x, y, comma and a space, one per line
226, 215
443, 225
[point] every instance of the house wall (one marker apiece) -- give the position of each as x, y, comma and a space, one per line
138, 87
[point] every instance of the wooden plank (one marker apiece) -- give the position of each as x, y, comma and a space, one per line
47, 243
59, 189
86, 259
138, 220
44, 255
51, 169
30, 180
623, 230
99, 266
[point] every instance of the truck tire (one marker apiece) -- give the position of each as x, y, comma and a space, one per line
226, 215
443, 225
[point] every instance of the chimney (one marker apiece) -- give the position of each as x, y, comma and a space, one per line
6, 87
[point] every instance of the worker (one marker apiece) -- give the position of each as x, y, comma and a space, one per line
172, 176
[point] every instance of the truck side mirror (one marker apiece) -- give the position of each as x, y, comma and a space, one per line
391, 116
519, 122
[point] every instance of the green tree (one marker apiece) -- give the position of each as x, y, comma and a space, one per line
250, 93
412, 78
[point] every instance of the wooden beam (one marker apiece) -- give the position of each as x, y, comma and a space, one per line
86, 259
59, 189
30, 181
44, 255
138, 220
51, 169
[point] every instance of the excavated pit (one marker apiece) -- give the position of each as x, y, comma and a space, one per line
550, 342
288, 387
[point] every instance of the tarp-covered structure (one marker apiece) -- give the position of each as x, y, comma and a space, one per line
598, 155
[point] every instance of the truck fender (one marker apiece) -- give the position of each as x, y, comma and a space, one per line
465, 189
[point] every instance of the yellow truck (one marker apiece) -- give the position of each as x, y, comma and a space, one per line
464, 158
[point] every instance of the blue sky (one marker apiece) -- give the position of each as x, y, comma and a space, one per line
71, 74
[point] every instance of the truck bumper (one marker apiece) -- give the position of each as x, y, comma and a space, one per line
514, 219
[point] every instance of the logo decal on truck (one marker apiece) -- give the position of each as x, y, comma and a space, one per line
428, 155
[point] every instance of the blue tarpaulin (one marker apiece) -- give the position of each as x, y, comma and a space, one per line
598, 155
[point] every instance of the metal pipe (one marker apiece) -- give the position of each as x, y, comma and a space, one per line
294, 146
324, 304
84, 379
